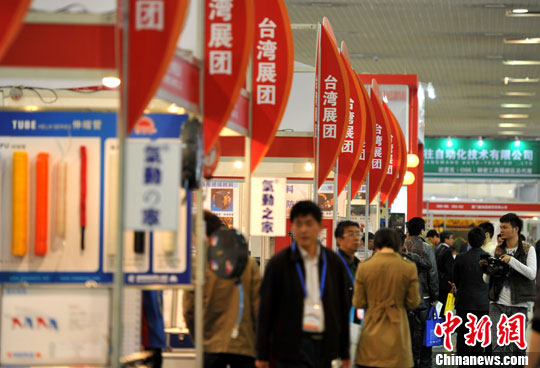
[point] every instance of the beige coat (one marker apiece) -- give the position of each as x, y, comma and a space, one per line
385, 285
221, 298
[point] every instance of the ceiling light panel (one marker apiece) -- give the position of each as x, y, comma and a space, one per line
508, 80
522, 13
512, 125
521, 62
522, 41
514, 116
519, 94
510, 132
516, 106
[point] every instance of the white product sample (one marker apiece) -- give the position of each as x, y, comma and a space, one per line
112, 203
167, 241
60, 196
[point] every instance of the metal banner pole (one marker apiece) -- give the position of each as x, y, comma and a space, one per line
335, 211
317, 122
118, 286
247, 158
199, 220
349, 199
377, 224
366, 228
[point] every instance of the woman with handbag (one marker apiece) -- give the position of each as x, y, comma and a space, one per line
385, 286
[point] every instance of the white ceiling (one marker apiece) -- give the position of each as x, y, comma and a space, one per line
455, 44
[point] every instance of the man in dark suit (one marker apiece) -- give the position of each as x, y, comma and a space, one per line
472, 293
445, 265
305, 303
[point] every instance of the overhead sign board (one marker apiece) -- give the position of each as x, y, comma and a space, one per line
490, 159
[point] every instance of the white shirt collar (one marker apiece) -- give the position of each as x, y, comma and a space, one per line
305, 255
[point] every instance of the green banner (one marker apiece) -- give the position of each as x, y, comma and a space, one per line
489, 158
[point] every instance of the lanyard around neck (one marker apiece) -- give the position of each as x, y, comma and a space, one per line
346, 266
301, 276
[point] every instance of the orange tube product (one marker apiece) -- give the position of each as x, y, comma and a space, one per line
42, 204
19, 230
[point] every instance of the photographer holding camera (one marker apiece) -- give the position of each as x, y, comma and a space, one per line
511, 277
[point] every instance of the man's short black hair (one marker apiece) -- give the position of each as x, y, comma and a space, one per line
476, 237
446, 235
342, 225
488, 228
416, 225
387, 237
212, 222
522, 237
306, 208
513, 220
370, 236
499, 236
431, 233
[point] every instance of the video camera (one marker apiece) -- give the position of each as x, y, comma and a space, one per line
494, 266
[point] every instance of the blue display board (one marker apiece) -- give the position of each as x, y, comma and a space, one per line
61, 136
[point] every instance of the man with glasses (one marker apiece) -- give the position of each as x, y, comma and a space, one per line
348, 237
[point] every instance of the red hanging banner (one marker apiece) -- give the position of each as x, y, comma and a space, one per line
273, 67
356, 129
395, 152
398, 158
12, 13
381, 153
333, 96
366, 155
402, 168
228, 39
154, 28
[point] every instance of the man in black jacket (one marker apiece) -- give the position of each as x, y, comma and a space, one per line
304, 306
471, 290
445, 265
429, 288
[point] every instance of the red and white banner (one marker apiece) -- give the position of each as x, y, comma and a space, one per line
400, 156
356, 129
273, 67
333, 97
402, 167
12, 13
154, 28
228, 40
381, 151
391, 173
366, 155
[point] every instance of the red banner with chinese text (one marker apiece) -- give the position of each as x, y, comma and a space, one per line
273, 67
395, 155
402, 167
333, 97
228, 40
356, 129
366, 155
12, 13
401, 157
154, 28
381, 153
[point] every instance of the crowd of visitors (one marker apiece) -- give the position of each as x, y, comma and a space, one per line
312, 303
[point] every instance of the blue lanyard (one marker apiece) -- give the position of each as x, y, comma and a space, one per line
351, 315
346, 266
301, 276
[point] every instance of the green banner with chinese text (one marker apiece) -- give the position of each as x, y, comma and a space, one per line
488, 158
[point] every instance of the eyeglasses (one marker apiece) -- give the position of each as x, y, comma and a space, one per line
352, 235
